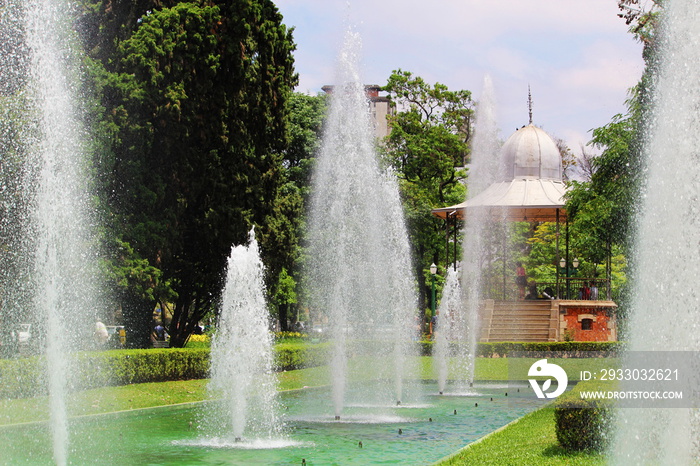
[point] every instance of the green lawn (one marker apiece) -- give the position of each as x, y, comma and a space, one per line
529, 440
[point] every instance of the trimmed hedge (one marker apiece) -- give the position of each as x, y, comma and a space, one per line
570, 348
291, 356
26, 377
583, 425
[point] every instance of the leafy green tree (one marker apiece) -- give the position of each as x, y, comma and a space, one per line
428, 143
195, 107
306, 114
603, 209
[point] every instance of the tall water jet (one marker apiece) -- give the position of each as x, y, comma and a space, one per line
241, 355
57, 167
485, 168
359, 257
448, 327
666, 249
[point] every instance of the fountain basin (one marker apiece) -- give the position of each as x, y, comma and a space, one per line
430, 430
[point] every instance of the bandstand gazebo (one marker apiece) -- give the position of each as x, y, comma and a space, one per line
532, 190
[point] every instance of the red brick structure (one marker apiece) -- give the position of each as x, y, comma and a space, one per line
548, 320
587, 324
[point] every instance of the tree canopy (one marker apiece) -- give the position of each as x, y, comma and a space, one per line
428, 146
194, 114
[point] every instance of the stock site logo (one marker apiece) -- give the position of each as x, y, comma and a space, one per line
543, 368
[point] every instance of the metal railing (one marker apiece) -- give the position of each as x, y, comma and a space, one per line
572, 288
584, 288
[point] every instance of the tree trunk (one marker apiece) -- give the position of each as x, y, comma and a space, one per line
283, 311
138, 320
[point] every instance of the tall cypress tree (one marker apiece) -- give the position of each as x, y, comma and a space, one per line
193, 118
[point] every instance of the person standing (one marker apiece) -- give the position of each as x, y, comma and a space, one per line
434, 324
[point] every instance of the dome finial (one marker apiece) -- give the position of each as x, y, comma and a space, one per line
529, 103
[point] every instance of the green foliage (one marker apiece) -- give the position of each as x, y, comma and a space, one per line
26, 377
429, 141
193, 122
604, 207
502, 349
17, 131
306, 115
290, 336
540, 262
199, 341
292, 356
127, 272
21, 378
287, 226
583, 425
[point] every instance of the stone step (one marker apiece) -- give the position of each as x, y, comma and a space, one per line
527, 340
528, 325
517, 336
521, 314
518, 321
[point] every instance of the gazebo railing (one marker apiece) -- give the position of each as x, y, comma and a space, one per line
572, 288
583, 288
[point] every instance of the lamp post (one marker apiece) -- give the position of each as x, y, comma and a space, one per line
568, 272
433, 271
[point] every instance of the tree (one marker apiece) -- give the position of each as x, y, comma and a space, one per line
195, 107
428, 143
602, 210
306, 114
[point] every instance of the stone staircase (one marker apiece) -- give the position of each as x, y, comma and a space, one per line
535, 320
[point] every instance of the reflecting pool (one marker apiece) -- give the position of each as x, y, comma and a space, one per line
413, 433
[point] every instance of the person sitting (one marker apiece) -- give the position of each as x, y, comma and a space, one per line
532, 291
160, 332
585, 292
548, 293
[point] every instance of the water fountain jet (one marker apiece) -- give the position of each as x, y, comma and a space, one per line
241, 354
57, 236
360, 271
667, 257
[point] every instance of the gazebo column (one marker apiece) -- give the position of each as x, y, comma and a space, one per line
505, 252
447, 241
568, 261
556, 258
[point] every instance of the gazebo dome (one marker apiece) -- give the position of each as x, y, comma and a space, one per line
531, 153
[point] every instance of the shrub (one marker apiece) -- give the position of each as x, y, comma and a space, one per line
199, 341
25, 377
291, 356
21, 378
583, 425
552, 348
501, 349
290, 336
122, 367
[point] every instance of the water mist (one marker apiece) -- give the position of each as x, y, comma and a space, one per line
666, 294
241, 355
359, 268
59, 224
458, 323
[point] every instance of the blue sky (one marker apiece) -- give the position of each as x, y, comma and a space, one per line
577, 56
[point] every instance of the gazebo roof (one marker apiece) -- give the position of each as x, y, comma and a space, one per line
536, 190
524, 199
